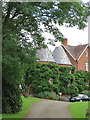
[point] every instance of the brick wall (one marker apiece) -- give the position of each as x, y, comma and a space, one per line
89, 57
64, 65
81, 62
42, 62
55, 63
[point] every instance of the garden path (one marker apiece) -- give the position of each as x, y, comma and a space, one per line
49, 109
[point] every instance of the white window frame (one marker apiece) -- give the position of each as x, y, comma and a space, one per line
86, 53
86, 66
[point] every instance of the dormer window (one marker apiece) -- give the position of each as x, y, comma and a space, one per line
86, 53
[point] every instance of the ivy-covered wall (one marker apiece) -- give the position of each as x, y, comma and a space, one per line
63, 79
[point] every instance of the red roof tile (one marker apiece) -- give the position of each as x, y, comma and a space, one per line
76, 50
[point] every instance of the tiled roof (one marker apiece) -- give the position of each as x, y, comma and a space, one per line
44, 54
76, 51
60, 56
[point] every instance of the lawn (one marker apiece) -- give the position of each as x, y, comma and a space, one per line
25, 108
78, 109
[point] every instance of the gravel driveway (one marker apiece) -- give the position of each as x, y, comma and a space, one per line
49, 109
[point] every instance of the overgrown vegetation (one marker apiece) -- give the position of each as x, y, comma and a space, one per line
82, 78
49, 95
18, 52
86, 93
43, 78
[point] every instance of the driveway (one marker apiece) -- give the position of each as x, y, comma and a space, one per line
49, 109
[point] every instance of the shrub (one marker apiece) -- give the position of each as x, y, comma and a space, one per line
11, 98
48, 95
61, 99
86, 93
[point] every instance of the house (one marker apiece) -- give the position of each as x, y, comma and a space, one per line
58, 56
67, 55
78, 55
61, 57
45, 56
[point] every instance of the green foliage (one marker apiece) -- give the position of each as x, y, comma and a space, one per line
39, 76
65, 69
28, 16
81, 78
48, 95
73, 69
72, 90
20, 19
14, 65
86, 93
66, 81
11, 97
63, 81
27, 102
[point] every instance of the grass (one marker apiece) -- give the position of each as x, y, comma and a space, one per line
0, 116
78, 109
25, 108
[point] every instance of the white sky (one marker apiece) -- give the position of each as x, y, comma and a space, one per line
74, 35
85, 1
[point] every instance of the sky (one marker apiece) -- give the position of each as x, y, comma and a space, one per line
85, 1
74, 35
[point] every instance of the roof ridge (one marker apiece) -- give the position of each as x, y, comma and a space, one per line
75, 51
78, 45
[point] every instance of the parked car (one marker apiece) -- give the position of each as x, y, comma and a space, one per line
80, 97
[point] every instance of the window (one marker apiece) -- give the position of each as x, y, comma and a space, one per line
86, 66
86, 53
51, 81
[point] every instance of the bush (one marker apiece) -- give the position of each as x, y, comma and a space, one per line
48, 95
61, 99
11, 98
86, 93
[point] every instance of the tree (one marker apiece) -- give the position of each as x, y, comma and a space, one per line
20, 19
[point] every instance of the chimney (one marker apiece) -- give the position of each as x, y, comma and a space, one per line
65, 42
